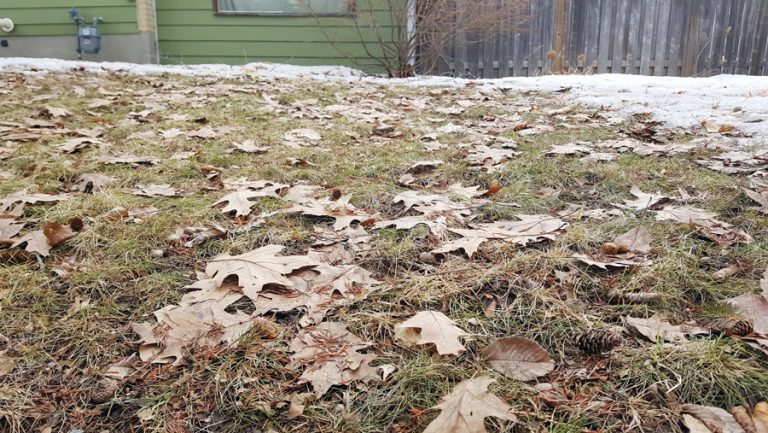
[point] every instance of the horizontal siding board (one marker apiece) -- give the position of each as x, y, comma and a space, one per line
206, 17
302, 61
47, 19
189, 32
263, 33
207, 5
261, 49
35, 4
69, 29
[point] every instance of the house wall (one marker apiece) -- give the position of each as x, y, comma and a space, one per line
189, 32
43, 29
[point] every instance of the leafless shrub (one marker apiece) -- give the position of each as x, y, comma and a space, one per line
406, 36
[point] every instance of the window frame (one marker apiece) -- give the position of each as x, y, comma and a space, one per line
351, 12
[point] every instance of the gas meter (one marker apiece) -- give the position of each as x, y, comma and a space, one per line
88, 36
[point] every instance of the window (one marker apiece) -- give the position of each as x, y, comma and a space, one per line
282, 7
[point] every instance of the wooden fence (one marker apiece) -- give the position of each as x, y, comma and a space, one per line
648, 37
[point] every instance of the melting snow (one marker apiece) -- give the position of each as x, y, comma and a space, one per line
739, 100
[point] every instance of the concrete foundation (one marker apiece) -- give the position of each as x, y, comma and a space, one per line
135, 48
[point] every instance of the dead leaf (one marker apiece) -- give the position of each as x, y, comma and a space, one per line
182, 156
658, 327
694, 425
77, 144
58, 233
530, 228
569, 149
298, 400
420, 167
123, 368
34, 242
612, 261
760, 417
79, 304
130, 159
10, 227
743, 418
340, 210
464, 410
518, 358
645, 200
754, 307
727, 272
99, 103
191, 237
432, 327
54, 112
437, 225
301, 137
8, 202
170, 134
713, 127
330, 355
92, 182
760, 198
137, 215
240, 201
182, 328
249, 146
637, 240
153, 191
257, 268
425, 203
489, 158
7, 364
299, 162
598, 157
316, 291
205, 133
713, 418
715, 230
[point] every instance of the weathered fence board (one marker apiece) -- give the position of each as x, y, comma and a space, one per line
649, 37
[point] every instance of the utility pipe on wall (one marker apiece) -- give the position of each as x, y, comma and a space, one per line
6, 25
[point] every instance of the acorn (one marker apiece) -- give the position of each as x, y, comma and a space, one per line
428, 258
611, 248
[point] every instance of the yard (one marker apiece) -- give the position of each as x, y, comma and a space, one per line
255, 251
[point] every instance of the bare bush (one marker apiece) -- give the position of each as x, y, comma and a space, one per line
406, 36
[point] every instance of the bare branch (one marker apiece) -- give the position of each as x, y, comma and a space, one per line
436, 24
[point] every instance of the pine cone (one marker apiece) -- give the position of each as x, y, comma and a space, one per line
265, 328
102, 391
731, 326
597, 341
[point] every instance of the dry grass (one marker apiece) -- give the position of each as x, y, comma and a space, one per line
60, 355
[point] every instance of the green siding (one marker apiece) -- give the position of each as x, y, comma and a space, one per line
190, 32
51, 17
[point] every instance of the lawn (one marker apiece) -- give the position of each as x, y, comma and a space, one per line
208, 254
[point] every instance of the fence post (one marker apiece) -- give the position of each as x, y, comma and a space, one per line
690, 45
558, 41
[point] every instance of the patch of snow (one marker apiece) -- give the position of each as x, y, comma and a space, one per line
738, 100
268, 70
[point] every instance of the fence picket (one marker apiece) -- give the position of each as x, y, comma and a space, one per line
649, 37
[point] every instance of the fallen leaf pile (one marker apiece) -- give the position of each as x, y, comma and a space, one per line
199, 253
